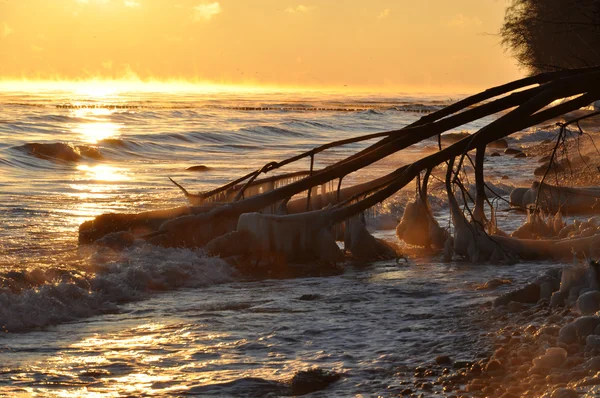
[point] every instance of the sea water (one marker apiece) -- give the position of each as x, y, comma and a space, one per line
86, 320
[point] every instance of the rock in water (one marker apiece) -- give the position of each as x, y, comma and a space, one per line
443, 360
198, 168
307, 381
499, 144
512, 151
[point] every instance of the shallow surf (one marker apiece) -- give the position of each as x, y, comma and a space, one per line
87, 319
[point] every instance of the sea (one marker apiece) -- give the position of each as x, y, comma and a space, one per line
84, 320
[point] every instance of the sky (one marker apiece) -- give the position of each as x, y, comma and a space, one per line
387, 45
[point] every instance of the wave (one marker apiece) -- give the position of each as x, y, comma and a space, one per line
302, 383
536, 135
55, 118
272, 131
132, 108
309, 124
179, 137
116, 142
60, 151
373, 112
416, 108
241, 146
7, 163
39, 298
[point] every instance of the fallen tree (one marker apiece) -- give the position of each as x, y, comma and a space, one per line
300, 228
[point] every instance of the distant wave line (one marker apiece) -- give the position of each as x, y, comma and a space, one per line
247, 108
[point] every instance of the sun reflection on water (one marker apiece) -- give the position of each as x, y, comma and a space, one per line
104, 173
96, 189
151, 359
97, 131
95, 128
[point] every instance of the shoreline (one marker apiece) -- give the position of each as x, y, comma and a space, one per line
544, 341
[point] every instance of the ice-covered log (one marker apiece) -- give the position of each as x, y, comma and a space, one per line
529, 101
551, 198
137, 223
195, 230
235, 243
534, 106
255, 187
302, 237
327, 194
536, 249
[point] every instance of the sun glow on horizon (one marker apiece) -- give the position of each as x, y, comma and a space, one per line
266, 45
104, 90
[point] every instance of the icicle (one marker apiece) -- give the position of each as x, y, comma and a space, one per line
492, 224
300, 237
362, 244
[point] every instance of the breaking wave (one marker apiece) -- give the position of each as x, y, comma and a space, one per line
60, 151
39, 298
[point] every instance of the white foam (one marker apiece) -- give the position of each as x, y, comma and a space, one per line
130, 275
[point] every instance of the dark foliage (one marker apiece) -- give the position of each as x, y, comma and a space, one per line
546, 35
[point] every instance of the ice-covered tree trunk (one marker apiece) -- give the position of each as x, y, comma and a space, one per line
196, 226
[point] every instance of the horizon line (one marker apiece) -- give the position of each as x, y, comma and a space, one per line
114, 86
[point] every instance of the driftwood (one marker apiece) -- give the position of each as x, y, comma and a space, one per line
300, 228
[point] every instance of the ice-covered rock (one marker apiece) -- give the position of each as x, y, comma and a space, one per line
568, 334
586, 325
418, 227
589, 302
558, 299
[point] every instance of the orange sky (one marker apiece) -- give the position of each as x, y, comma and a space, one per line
433, 45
